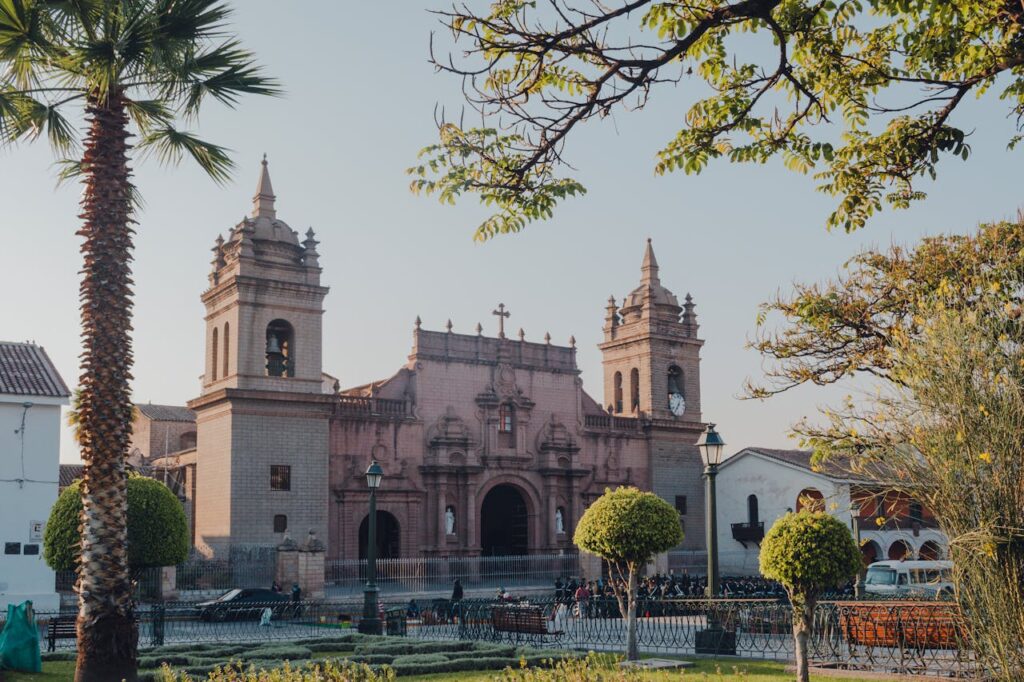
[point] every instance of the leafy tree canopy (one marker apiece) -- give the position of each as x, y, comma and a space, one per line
165, 58
808, 552
851, 325
157, 527
628, 526
862, 93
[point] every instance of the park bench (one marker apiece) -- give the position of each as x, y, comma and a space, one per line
60, 627
521, 620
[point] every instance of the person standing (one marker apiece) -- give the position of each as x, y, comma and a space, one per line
453, 604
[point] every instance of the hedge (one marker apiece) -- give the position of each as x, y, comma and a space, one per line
157, 528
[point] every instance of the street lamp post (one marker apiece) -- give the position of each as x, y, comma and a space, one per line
858, 585
370, 623
714, 639
711, 445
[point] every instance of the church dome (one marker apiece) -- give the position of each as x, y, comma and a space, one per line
651, 292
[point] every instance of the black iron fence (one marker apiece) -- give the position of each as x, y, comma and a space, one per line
906, 637
910, 637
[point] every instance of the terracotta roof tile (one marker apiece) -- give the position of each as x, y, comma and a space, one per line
166, 413
68, 474
25, 369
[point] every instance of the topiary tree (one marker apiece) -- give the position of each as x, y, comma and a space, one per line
157, 528
808, 552
627, 527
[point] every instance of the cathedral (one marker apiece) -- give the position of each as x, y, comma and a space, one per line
489, 445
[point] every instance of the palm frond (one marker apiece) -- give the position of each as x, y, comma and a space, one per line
188, 21
23, 116
150, 113
169, 145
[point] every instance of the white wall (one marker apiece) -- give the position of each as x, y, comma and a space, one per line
777, 487
30, 499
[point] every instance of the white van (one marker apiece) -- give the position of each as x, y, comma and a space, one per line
907, 578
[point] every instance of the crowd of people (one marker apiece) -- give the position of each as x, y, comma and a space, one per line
674, 586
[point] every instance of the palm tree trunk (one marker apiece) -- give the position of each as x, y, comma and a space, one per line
107, 635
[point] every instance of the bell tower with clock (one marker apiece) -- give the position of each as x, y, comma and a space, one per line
651, 358
651, 353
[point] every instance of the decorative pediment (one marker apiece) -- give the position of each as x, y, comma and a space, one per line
555, 438
449, 431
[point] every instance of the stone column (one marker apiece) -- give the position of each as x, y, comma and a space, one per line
168, 583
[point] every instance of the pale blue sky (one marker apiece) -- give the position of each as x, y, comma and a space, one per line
359, 104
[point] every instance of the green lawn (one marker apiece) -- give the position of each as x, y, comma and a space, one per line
750, 671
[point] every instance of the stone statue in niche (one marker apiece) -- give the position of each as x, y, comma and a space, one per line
559, 521
449, 520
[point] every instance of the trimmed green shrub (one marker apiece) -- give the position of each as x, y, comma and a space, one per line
626, 527
157, 529
412, 647
340, 639
369, 659
807, 553
277, 651
490, 651
169, 659
413, 659
340, 648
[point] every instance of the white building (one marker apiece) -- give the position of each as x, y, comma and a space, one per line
31, 395
756, 486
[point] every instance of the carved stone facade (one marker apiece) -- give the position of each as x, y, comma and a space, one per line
489, 445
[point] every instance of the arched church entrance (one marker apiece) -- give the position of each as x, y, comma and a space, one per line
504, 523
387, 536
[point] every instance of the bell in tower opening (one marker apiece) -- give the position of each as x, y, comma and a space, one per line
280, 349
676, 402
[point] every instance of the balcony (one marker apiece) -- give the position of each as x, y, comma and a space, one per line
371, 407
748, 532
607, 422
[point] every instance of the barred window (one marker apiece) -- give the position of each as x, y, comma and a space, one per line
280, 523
280, 477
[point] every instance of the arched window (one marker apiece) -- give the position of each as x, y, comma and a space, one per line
675, 380
634, 390
810, 499
187, 440
227, 347
900, 550
213, 343
618, 392
280, 349
752, 515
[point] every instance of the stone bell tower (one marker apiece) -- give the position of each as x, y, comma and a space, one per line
651, 358
262, 416
651, 353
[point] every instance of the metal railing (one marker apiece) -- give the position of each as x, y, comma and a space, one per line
431, 574
605, 422
357, 405
920, 638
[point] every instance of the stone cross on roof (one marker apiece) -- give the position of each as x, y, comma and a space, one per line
502, 314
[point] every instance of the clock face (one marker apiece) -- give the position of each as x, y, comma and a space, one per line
677, 404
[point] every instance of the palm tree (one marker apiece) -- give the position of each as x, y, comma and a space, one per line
130, 69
